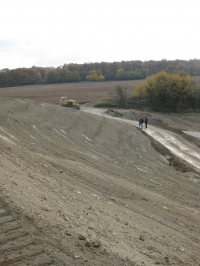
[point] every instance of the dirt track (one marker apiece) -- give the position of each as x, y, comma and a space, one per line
82, 189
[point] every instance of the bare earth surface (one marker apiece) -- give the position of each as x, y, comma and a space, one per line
90, 188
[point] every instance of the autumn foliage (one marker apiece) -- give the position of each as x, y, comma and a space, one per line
95, 75
169, 91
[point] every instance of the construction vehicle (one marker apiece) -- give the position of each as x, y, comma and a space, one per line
69, 103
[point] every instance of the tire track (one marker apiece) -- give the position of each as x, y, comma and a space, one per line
18, 246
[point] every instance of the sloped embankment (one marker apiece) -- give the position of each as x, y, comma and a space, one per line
92, 191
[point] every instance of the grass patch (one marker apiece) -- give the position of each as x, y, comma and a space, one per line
141, 105
153, 107
114, 104
106, 104
114, 113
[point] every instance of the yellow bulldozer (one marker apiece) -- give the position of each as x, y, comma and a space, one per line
69, 103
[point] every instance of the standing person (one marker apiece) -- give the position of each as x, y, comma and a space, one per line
141, 121
146, 121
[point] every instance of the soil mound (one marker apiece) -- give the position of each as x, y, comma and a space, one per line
81, 189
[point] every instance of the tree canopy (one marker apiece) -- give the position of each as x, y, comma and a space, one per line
95, 75
169, 91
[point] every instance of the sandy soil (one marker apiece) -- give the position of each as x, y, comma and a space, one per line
77, 188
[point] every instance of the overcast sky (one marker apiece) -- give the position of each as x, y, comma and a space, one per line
57, 32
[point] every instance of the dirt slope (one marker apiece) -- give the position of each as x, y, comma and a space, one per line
81, 189
174, 146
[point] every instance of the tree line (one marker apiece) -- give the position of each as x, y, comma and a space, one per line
104, 71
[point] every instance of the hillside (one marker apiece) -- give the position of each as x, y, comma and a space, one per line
82, 189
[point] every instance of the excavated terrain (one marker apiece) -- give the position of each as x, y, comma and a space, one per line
77, 188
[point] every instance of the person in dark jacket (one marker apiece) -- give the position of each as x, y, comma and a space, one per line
146, 121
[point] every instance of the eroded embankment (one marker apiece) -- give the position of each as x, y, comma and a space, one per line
181, 154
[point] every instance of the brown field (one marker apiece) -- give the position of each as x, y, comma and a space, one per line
82, 92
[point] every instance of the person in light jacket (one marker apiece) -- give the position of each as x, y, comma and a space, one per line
141, 121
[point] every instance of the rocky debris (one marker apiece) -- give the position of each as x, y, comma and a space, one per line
141, 237
68, 233
113, 199
143, 198
66, 218
96, 243
167, 259
44, 198
46, 208
90, 243
82, 237
168, 157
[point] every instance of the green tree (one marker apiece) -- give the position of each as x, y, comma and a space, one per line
95, 75
121, 95
52, 76
167, 90
139, 92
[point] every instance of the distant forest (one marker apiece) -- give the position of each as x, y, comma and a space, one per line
104, 71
